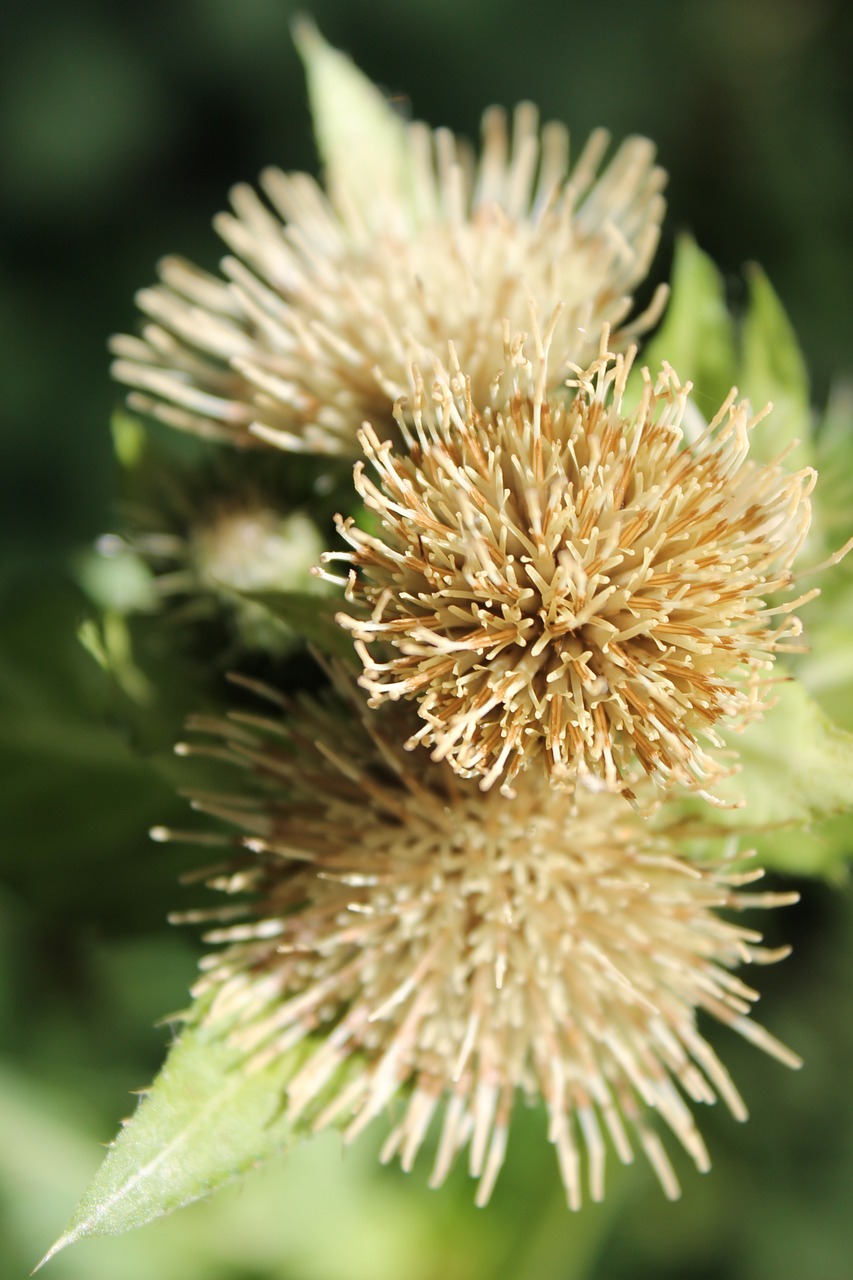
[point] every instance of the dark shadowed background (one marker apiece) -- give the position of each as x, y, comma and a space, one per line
123, 127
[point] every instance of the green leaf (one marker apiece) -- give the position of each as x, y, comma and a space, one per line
796, 769
697, 336
119, 582
827, 669
773, 369
822, 851
63, 734
702, 341
308, 614
128, 439
361, 139
206, 1120
111, 645
833, 496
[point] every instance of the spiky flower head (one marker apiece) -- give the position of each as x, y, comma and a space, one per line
324, 304
450, 952
570, 578
207, 541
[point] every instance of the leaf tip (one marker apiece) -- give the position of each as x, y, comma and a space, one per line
68, 1237
305, 35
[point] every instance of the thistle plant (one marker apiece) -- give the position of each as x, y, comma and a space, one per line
462, 950
328, 298
568, 583
500, 850
205, 539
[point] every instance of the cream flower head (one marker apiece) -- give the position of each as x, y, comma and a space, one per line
453, 951
571, 579
325, 303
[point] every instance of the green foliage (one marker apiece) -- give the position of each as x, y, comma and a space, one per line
309, 615
68, 759
697, 335
772, 370
797, 766
795, 770
109, 643
360, 137
206, 1120
835, 463
129, 439
705, 343
119, 584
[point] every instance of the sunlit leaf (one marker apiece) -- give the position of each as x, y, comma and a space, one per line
361, 139
759, 355
821, 851
128, 439
827, 670
120, 583
111, 646
206, 1120
832, 502
773, 370
309, 615
697, 336
796, 768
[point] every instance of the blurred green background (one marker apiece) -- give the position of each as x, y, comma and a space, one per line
122, 129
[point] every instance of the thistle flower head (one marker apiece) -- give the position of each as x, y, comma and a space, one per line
454, 951
255, 550
209, 547
324, 307
570, 578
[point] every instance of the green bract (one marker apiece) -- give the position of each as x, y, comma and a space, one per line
205, 1121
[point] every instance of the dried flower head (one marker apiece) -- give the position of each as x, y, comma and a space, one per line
570, 577
454, 950
323, 309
